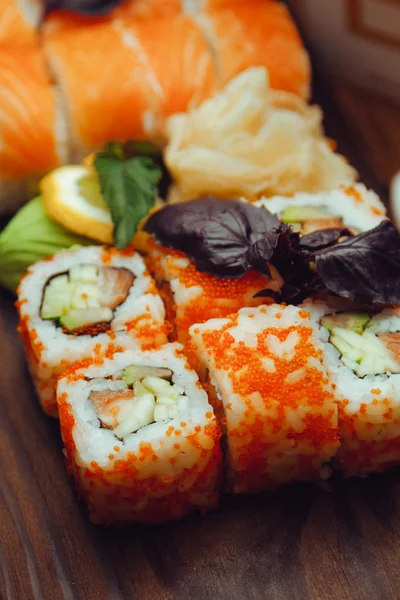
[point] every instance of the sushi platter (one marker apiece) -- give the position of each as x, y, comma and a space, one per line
199, 309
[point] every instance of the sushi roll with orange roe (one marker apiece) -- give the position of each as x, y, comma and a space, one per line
362, 358
85, 302
141, 439
263, 369
355, 208
191, 296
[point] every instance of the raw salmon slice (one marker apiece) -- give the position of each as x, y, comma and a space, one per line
106, 83
13, 27
193, 6
179, 58
28, 143
147, 8
64, 19
254, 33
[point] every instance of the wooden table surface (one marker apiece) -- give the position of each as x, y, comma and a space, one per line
298, 543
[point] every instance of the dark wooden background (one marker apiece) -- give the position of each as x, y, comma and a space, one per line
298, 543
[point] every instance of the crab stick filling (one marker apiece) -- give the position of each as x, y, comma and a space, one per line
136, 397
85, 296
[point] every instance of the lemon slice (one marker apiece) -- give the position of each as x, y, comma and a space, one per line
72, 197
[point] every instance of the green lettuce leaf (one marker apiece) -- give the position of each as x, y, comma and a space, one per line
129, 188
30, 236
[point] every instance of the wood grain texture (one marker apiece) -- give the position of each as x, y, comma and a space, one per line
299, 543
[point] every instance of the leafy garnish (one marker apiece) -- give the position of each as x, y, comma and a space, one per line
317, 240
223, 237
364, 268
31, 236
129, 188
82, 7
226, 238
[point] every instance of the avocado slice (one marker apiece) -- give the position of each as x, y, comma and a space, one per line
299, 214
353, 321
79, 317
134, 373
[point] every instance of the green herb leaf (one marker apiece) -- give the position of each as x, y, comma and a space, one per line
129, 188
31, 236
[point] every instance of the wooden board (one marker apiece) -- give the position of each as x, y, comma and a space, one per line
298, 543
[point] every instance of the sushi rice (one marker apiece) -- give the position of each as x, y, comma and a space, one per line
159, 472
356, 206
136, 322
369, 404
193, 297
263, 369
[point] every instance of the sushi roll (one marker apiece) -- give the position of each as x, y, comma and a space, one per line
33, 136
355, 208
191, 296
147, 91
84, 302
262, 368
141, 439
14, 29
257, 33
362, 358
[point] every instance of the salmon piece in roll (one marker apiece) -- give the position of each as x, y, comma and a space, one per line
141, 439
81, 303
262, 367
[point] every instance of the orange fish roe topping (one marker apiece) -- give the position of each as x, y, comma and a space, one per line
170, 431
351, 191
219, 298
149, 331
376, 211
304, 314
294, 381
108, 253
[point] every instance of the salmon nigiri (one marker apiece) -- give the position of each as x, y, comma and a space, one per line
13, 27
255, 33
179, 58
195, 6
105, 81
31, 136
119, 79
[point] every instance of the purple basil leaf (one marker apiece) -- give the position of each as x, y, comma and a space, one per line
221, 236
317, 240
364, 268
82, 7
261, 252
